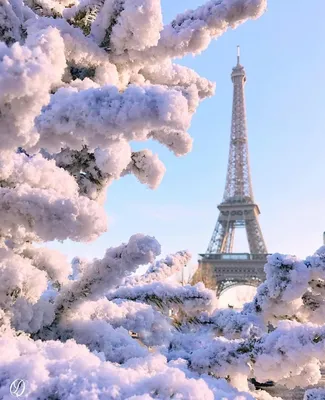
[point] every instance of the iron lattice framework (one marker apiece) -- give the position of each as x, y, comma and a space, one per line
238, 208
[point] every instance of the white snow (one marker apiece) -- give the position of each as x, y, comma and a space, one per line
79, 82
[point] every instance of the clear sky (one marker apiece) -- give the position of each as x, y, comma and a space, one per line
284, 56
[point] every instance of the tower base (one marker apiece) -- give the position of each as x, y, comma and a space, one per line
222, 271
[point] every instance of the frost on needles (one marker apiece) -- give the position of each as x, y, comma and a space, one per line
79, 81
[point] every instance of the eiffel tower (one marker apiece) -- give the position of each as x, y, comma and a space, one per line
220, 268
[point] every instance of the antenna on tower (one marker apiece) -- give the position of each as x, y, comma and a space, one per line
238, 55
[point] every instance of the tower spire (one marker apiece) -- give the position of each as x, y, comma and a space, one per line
238, 208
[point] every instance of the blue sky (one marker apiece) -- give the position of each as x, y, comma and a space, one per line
284, 57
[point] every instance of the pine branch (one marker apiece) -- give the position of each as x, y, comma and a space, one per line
84, 17
118, 8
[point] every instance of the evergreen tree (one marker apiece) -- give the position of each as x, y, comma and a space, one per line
78, 82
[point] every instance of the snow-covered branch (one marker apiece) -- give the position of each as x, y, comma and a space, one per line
162, 269
151, 327
166, 296
27, 74
192, 31
104, 274
147, 167
99, 116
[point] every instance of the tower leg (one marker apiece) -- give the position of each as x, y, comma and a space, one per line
218, 240
229, 242
255, 237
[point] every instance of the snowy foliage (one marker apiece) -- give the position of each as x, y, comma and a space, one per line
79, 82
